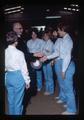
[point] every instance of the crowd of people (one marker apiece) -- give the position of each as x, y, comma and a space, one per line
53, 48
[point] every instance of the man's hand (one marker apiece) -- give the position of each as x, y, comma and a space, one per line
63, 75
52, 62
38, 54
27, 86
44, 58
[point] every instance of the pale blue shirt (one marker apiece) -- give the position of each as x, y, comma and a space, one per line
62, 50
48, 47
35, 45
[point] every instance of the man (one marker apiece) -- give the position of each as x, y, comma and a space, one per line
65, 68
18, 28
22, 45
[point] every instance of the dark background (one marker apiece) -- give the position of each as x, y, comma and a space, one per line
34, 14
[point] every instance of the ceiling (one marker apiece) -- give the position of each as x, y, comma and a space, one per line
35, 14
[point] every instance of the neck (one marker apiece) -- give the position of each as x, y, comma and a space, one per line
64, 34
14, 45
34, 38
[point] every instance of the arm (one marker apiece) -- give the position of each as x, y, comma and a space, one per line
55, 50
24, 69
54, 54
66, 56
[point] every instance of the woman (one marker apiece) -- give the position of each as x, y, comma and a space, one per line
16, 76
65, 68
47, 66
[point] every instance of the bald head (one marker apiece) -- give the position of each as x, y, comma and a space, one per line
17, 27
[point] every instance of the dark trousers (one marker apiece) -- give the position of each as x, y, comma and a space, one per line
32, 91
76, 85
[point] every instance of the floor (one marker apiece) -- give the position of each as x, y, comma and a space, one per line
43, 105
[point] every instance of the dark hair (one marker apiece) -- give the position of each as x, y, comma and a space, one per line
11, 37
54, 29
35, 30
46, 32
64, 27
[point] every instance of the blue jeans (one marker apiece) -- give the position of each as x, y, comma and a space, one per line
15, 86
39, 78
68, 88
58, 70
48, 74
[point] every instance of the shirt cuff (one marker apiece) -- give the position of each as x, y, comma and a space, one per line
27, 81
48, 57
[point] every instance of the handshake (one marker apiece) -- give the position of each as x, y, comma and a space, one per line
41, 56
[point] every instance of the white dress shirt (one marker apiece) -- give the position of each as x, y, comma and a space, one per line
62, 50
35, 45
15, 60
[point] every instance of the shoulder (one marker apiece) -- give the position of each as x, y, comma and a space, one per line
50, 41
29, 41
19, 52
58, 40
6, 49
69, 40
40, 40
68, 37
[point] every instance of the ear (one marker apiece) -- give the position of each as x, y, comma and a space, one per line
16, 43
63, 29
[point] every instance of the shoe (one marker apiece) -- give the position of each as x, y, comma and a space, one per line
68, 113
38, 89
59, 101
65, 106
57, 98
46, 93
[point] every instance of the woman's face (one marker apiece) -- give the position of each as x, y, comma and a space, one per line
34, 35
60, 32
54, 33
46, 36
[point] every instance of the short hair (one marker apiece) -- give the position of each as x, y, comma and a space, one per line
64, 27
35, 30
11, 37
46, 32
16, 23
54, 29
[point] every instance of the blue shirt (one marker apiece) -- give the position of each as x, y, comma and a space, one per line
35, 45
48, 47
62, 50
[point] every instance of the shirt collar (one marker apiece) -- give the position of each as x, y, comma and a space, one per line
65, 35
11, 46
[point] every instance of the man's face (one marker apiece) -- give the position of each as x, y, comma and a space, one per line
18, 28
